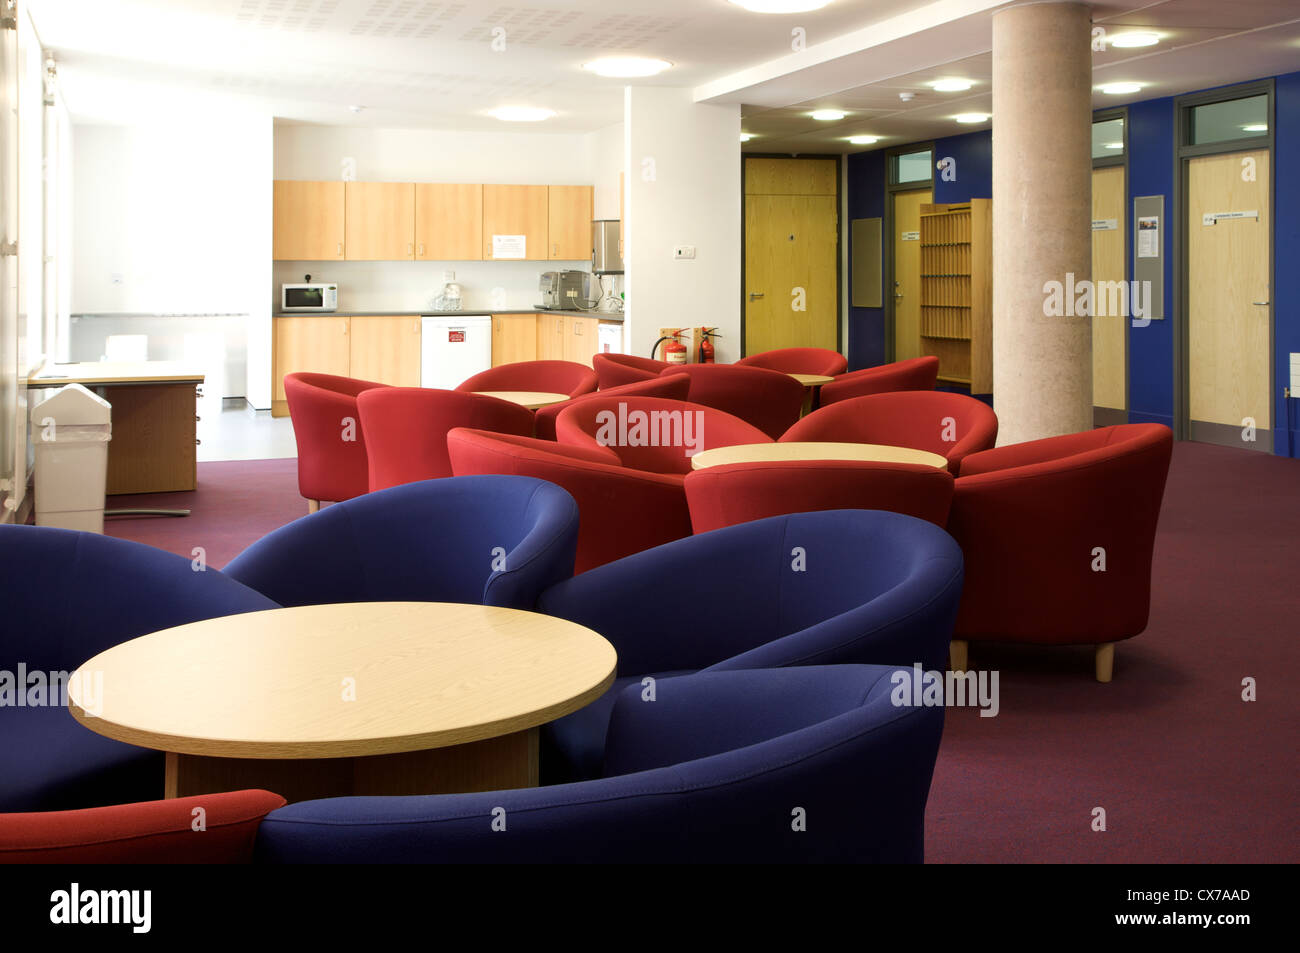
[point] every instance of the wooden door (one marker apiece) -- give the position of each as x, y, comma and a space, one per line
569, 222
906, 284
317, 344
791, 257
385, 350
380, 221
514, 338
581, 340
1228, 297
1109, 331
550, 336
448, 222
516, 210
308, 221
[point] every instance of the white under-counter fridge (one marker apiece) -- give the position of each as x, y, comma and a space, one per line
453, 348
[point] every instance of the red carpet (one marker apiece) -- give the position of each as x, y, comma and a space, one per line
1184, 769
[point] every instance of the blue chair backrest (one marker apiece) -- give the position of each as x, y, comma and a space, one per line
491, 540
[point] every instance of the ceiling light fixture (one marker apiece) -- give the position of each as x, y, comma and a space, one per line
971, 119
356, 109
1121, 89
626, 67
781, 6
828, 115
1128, 41
864, 140
1114, 145
1255, 127
522, 113
746, 136
951, 85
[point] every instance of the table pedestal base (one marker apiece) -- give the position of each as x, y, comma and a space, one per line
509, 761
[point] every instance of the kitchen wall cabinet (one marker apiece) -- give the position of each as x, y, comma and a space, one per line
317, 344
448, 222
569, 222
308, 221
516, 210
385, 350
514, 338
380, 221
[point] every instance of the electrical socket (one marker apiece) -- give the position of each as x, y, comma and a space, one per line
683, 252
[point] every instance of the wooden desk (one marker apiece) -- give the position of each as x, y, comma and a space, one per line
153, 445
358, 698
784, 452
526, 398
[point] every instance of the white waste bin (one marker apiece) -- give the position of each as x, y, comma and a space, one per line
70, 431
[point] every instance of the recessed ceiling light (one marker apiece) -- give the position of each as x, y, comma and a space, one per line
951, 85
1130, 40
626, 67
1255, 127
781, 6
746, 136
1114, 145
864, 140
522, 113
972, 118
828, 115
356, 109
1120, 89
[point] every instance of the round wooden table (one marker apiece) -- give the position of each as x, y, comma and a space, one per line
810, 382
353, 698
532, 399
781, 452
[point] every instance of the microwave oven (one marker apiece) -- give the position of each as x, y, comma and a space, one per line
309, 296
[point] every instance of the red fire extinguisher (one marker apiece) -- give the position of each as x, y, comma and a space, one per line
706, 345
675, 350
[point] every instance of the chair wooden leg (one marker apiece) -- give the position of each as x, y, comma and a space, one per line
957, 655
1105, 661
313, 506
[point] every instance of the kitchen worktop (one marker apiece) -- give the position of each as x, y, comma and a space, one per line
615, 316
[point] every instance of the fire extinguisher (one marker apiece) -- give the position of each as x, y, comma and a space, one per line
706, 345
675, 350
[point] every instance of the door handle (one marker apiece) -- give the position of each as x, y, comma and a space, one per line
1261, 304
555, 249
753, 295
340, 249
410, 249
421, 249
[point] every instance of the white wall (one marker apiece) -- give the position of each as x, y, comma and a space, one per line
683, 185
174, 215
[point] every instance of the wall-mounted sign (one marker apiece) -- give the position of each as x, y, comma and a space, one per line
509, 246
456, 335
911, 236
1210, 218
1148, 236
1105, 224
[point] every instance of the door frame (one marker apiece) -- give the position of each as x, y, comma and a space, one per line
892, 188
1101, 416
1183, 152
839, 236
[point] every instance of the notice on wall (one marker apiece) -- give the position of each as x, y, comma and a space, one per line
509, 246
1211, 218
1105, 224
911, 236
1148, 236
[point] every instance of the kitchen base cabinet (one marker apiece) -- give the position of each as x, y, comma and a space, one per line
550, 336
514, 338
385, 350
581, 340
317, 344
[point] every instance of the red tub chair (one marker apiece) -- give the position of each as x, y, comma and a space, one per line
151, 832
673, 387
614, 370
919, 373
1034, 521
548, 377
623, 511
799, 360
769, 400
951, 425
323, 410
407, 429
741, 492
581, 425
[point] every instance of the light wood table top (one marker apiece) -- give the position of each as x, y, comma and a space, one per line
272, 684
812, 380
114, 372
531, 399
795, 450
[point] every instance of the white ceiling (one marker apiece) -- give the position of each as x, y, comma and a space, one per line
430, 63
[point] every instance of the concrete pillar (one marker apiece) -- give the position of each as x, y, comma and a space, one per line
1042, 217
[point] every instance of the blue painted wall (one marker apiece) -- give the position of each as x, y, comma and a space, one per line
1151, 172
